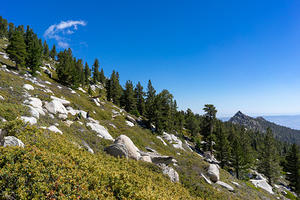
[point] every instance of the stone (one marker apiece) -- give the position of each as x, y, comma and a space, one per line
133, 151
63, 116
54, 129
82, 90
56, 106
11, 141
162, 159
47, 82
129, 123
213, 173
262, 184
68, 123
158, 137
206, 179
117, 150
146, 159
173, 175
225, 185
101, 130
2, 98
34, 102
172, 139
63, 101
235, 183
87, 147
131, 119
28, 87
30, 120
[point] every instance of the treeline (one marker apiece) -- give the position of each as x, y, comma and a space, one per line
25, 48
237, 148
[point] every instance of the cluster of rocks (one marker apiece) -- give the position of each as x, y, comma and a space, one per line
124, 147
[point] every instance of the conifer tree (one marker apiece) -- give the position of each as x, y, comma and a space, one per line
17, 49
11, 30
65, 67
96, 70
209, 121
46, 50
115, 88
3, 27
139, 95
129, 99
191, 122
150, 103
87, 73
222, 145
269, 163
34, 56
102, 76
53, 52
293, 168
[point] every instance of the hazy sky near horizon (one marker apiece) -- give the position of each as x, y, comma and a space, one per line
237, 55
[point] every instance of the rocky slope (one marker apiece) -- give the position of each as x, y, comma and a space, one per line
282, 133
60, 143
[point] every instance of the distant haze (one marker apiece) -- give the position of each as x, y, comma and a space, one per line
291, 121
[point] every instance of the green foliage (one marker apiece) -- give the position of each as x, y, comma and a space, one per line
51, 167
46, 52
129, 100
139, 96
53, 52
3, 27
11, 111
293, 166
17, 48
96, 70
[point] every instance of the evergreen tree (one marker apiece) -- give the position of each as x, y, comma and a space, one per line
87, 73
150, 103
65, 67
209, 121
34, 55
139, 95
191, 123
102, 76
17, 49
96, 70
115, 88
269, 163
53, 52
3, 28
222, 145
11, 30
293, 167
46, 52
129, 99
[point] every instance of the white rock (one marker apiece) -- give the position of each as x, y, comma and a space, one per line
48, 91
82, 90
235, 183
34, 102
129, 123
262, 184
112, 125
59, 87
213, 172
11, 141
30, 120
173, 175
33, 112
54, 129
63, 116
96, 102
28, 87
225, 185
133, 151
79, 122
88, 147
206, 179
146, 159
47, 82
63, 101
56, 106
68, 123
158, 137
172, 139
101, 130
1, 98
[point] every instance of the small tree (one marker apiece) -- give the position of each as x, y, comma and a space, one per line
53, 52
17, 49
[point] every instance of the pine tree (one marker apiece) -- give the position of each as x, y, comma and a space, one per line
11, 30
87, 73
293, 168
96, 70
53, 52
46, 52
269, 163
65, 67
191, 123
34, 56
102, 76
222, 145
209, 121
150, 103
115, 88
139, 95
17, 49
129, 99
3, 28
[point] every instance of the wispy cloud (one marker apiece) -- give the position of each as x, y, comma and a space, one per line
59, 31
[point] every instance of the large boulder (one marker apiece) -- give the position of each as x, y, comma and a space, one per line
56, 106
30, 120
12, 141
172, 139
173, 175
54, 129
28, 87
101, 130
133, 151
117, 150
213, 172
63, 101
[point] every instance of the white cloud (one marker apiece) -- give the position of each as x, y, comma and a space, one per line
57, 31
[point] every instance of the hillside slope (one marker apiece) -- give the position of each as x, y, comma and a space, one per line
64, 158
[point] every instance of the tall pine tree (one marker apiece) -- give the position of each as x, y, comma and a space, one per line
17, 49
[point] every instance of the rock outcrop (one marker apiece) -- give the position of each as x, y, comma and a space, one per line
11, 141
173, 175
213, 173
101, 130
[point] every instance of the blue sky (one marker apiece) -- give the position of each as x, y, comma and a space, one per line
237, 55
